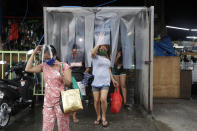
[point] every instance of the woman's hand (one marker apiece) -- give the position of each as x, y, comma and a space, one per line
95, 50
87, 70
65, 74
29, 66
61, 71
115, 83
38, 49
101, 37
119, 54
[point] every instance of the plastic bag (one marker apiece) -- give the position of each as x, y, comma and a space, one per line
116, 101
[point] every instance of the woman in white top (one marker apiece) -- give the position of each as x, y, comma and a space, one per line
102, 78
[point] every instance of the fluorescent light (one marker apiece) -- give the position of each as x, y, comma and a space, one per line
180, 47
173, 27
191, 37
179, 28
193, 29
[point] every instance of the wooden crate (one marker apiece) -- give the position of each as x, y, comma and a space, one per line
166, 83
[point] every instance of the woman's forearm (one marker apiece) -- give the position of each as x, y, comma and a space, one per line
87, 70
30, 63
95, 50
67, 77
115, 83
112, 78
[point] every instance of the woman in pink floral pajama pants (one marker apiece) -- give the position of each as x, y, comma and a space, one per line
49, 118
55, 81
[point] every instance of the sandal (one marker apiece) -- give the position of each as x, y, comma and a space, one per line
97, 122
104, 123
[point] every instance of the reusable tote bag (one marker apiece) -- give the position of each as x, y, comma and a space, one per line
70, 100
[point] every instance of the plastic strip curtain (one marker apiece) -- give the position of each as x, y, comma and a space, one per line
89, 38
64, 29
141, 38
142, 55
110, 20
127, 40
65, 26
80, 37
79, 41
61, 33
102, 27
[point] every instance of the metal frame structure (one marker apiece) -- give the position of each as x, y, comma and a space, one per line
145, 80
19, 53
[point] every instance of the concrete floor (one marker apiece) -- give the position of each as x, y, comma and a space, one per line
178, 114
135, 120
168, 115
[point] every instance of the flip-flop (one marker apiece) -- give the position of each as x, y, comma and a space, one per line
97, 122
105, 125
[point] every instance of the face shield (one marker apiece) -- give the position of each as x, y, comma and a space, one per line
47, 55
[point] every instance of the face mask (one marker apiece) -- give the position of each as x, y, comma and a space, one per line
103, 52
51, 61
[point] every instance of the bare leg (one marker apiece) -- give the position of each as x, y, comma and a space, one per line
123, 87
75, 119
104, 105
97, 106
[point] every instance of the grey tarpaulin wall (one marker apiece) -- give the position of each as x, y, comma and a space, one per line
65, 26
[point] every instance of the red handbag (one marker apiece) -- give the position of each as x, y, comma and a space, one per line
116, 100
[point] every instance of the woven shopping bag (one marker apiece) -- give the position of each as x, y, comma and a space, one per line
70, 100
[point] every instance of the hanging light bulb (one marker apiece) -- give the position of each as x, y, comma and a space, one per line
80, 39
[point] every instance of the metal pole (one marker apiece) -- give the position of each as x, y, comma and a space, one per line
26, 57
10, 77
18, 57
2, 66
150, 57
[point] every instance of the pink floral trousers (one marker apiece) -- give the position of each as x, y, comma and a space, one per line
50, 114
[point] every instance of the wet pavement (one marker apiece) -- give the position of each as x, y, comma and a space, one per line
134, 120
178, 114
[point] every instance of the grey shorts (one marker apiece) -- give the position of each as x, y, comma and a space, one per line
94, 89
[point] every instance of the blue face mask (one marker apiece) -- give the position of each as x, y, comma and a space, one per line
51, 61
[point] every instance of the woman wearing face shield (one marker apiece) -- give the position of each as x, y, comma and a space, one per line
56, 79
102, 76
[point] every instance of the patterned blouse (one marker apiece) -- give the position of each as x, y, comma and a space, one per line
53, 84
